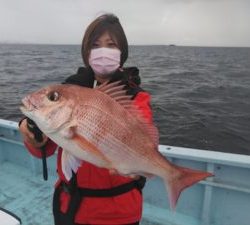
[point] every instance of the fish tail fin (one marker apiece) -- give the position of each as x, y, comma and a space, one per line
182, 179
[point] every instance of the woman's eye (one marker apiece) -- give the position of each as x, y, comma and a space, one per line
112, 45
53, 96
95, 45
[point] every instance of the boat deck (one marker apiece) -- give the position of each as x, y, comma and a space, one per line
29, 196
26, 195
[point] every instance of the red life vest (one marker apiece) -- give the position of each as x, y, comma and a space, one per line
120, 209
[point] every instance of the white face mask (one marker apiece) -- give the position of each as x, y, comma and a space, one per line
104, 61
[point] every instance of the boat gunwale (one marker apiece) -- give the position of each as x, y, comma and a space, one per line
215, 157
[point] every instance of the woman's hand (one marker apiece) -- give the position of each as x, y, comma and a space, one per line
115, 172
29, 136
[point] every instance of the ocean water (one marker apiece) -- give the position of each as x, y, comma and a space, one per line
200, 95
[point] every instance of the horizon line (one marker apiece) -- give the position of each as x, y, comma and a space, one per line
169, 45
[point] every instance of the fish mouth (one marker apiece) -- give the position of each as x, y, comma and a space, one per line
27, 105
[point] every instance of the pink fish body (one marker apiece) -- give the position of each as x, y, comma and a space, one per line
102, 126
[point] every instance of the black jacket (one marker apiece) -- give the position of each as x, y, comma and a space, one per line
129, 76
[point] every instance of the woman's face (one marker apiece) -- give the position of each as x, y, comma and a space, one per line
104, 57
105, 41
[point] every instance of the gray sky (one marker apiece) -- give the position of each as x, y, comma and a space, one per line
181, 22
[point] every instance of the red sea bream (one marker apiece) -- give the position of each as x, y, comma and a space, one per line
102, 126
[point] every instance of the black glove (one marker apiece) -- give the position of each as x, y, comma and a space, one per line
38, 135
33, 128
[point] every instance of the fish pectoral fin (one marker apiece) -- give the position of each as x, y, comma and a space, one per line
88, 146
69, 163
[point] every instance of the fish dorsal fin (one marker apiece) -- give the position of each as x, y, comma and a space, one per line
116, 91
106, 87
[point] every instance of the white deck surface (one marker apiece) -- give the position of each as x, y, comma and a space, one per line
27, 196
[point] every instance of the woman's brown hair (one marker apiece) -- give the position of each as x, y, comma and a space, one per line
105, 23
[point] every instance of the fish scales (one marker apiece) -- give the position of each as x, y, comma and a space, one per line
107, 124
109, 144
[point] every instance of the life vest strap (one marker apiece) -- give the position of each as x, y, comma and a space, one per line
109, 192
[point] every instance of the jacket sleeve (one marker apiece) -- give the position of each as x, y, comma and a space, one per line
142, 101
50, 149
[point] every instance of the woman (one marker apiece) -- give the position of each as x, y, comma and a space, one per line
95, 195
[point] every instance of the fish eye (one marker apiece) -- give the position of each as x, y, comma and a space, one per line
53, 96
